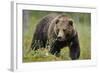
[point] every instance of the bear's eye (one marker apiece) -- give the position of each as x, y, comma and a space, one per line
58, 30
64, 30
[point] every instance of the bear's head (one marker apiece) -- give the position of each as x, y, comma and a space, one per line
63, 28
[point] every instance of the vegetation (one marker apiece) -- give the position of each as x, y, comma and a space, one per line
82, 24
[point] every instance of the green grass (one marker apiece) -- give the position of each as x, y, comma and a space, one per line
84, 32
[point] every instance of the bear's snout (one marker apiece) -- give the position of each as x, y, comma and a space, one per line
60, 36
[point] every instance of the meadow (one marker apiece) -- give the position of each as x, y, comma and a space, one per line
82, 24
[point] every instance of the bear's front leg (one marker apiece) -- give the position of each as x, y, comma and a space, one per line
55, 49
74, 48
55, 52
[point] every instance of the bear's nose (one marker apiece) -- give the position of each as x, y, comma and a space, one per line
58, 38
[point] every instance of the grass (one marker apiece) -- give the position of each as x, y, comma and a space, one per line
84, 32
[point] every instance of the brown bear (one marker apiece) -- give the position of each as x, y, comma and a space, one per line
56, 30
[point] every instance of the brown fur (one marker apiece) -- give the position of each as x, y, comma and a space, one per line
59, 30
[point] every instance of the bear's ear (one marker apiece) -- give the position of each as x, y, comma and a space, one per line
57, 21
71, 22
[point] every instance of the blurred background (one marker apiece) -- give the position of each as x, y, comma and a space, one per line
82, 24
